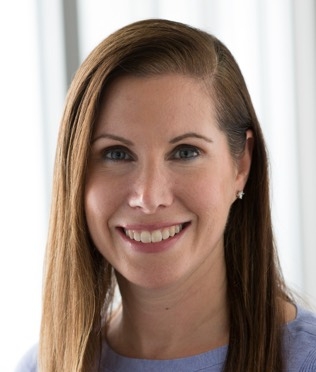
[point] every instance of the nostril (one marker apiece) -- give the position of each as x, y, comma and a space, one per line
150, 201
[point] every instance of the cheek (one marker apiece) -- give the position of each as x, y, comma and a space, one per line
101, 202
209, 194
95, 201
205, 187
94, 214
101, 194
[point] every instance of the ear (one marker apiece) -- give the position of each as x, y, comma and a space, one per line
244, 162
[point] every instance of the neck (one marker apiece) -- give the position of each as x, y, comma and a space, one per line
181, 320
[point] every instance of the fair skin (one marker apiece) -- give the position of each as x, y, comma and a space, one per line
160, 184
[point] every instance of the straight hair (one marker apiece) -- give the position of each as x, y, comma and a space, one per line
79, 282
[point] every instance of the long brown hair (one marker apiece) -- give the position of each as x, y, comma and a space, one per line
79, 282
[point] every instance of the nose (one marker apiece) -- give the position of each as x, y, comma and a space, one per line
151, 189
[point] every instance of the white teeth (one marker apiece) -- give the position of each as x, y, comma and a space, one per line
172, 231
145, 237
153, 236
165, 234
136, 236
156, 236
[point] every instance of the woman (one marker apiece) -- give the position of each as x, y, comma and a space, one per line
161, 185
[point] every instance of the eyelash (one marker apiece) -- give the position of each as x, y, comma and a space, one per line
185, 150
108, 153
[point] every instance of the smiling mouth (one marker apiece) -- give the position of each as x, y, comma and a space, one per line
155, 236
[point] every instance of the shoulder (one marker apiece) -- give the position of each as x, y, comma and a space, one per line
28, 362
300, 341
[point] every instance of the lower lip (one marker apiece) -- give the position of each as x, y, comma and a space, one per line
158, 247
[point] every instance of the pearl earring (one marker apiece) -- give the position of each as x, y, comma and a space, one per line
240, 194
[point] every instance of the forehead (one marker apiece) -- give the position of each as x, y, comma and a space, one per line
163, 98
132, 87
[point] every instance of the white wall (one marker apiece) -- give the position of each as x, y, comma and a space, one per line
32, 94
22, 192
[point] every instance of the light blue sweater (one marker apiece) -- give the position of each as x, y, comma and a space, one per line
299, 349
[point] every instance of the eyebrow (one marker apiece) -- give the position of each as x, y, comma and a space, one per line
190, 135
174, 140
114, 137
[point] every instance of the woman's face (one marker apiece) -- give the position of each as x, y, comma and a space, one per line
160, 181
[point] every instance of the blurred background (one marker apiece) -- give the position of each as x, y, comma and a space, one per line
42, 44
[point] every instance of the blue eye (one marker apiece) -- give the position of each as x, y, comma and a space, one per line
117, 154
186, 153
